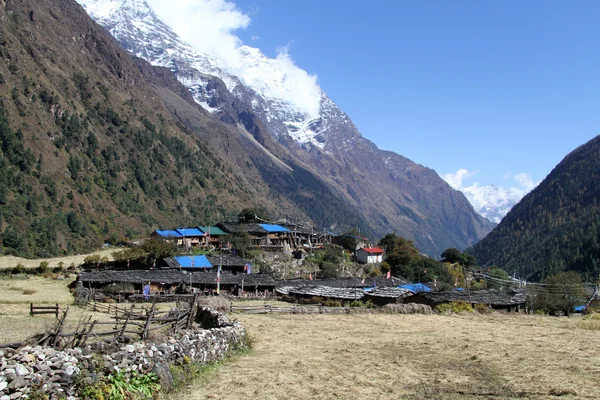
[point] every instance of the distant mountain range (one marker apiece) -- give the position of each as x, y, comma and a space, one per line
556, 226
492, 202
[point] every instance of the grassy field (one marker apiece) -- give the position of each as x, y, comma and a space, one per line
409, 357
11, 261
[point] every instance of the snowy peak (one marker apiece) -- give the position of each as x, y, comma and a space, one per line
287, 98
492, 202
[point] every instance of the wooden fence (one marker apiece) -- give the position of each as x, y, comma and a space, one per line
35, 310
293, 309
127, 322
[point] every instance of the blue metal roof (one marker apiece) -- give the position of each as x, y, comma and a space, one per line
580, 308
168, 234
273, 228
193, 261
416, 287
190, 232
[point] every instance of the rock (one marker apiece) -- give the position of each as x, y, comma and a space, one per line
5, 397
3, 385
18, 383
129, 348
70, 370
10, 376
163, 373
16, 395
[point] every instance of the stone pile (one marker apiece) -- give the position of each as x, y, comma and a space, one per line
55, 373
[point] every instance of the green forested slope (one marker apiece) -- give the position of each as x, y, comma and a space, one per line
555, 227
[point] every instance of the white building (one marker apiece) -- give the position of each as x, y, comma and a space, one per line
369, 255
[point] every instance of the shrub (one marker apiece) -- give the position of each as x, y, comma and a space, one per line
454, 307
43, 268
482, 308
332, 303
19, 269
93, 259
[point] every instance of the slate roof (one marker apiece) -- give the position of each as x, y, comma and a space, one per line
343, 282
192, 262
273, 228
168, 233
173, 276
323, 291
389, 292
493, 297
212, 230
228, 260
250, 228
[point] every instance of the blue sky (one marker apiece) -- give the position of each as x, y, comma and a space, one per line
497, 88
494, 88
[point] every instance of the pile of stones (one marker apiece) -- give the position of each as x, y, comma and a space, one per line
55, 373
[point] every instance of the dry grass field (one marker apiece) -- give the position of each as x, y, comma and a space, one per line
11, 261
409, 357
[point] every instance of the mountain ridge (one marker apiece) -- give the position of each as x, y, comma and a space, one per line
556, 226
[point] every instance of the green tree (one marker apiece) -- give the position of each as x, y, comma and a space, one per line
254, 214
561, 293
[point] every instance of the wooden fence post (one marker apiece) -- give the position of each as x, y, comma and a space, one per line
144, 334
193, 310
59, 328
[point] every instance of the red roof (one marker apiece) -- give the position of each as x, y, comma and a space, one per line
373, 250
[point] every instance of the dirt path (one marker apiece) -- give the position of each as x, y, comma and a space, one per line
409, 357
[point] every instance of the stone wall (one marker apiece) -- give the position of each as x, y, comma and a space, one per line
55, 373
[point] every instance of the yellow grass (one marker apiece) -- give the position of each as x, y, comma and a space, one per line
385, 356
11, 261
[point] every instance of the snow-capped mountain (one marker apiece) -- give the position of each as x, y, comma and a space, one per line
285, 105
311, 133
491, 201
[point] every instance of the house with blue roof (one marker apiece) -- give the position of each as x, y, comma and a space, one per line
189, 262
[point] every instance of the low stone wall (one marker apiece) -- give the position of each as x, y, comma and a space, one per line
55, 373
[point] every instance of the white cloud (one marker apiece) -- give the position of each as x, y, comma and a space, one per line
255, 38
455, 179
526, 181
210, 25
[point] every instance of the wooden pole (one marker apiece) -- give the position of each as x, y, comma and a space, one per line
144, 334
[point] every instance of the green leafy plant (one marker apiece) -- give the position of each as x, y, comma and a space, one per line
454, 307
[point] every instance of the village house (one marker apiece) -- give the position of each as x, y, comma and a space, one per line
265, 236
492, 298
127, 283
213, 235
182, 237
369, 255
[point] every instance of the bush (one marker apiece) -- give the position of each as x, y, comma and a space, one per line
454, 307
482, 308
332, 303
93, 259
19, 269
43, 268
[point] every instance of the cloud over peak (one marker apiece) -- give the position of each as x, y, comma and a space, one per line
210, 27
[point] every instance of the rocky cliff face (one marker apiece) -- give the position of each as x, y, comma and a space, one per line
388, 191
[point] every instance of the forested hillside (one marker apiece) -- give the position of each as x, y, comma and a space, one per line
556, 227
